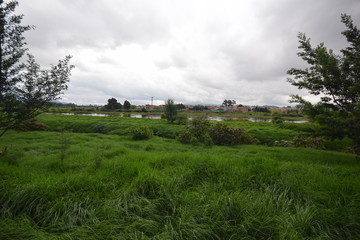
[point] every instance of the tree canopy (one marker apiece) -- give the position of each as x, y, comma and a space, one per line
170, 110
24, 87
229, 103
335, 78
113, 104
127, 105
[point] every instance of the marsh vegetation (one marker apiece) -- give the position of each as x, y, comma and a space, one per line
89, 178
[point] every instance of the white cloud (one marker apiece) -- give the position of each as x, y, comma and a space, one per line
199, 51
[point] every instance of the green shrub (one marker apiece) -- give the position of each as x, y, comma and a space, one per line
309, 142
196, 132
32, 125
277, 120
199, 128
201, 131
300, 141
185, 137
222, 134
182, 120
141, 132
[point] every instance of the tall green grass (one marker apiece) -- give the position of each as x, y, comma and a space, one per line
107, 125
112, 187
267, 133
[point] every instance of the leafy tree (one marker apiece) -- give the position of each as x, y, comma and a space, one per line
113, 104
199, 108
229, 103
127, 105
24, 87
334, 77
261, 109
180, 106
170, 110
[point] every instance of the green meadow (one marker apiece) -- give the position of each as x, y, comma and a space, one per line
87, 178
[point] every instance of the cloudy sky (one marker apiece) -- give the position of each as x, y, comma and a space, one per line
193, 51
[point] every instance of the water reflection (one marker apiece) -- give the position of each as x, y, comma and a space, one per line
154, 116
145, 116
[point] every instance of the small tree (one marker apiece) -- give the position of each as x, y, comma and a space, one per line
229, 103
180, 106
170, 110
336, 78
24, 88
127, 105
113, 104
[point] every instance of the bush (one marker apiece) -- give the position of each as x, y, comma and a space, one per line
201, 131
32, 125
141, 132
277, 120
300, 141
309, 142
199, 128
222, 134
181, 120
185, 137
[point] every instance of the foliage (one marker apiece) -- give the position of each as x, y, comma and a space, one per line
107, 125
202, 131
261, 109
127, 105
182, 119
199, 108
229, 103
24, 88
32, 125
112, 104
180, 106
335, 77
186, 137
199, 128
174, 191
170, 110
301, 141
277, 120
141, 132
100, 128
222, 134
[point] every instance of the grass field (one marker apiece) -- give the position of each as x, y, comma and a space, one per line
87, 185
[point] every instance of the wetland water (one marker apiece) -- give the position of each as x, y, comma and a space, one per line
157, 116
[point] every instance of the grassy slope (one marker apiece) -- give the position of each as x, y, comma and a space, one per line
111, 187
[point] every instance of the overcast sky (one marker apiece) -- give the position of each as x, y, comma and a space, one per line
193, 51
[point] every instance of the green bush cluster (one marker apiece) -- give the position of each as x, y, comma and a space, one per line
277, 120
141, 132
300, 141
201, 131
182, 120
32, 125
222, 134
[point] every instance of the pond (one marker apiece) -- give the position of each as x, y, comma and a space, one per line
157, 116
